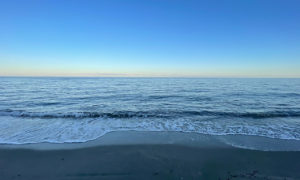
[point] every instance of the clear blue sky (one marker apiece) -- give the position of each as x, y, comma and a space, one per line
225, 38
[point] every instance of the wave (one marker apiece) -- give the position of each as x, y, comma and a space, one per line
254, 115
22, 131
148, 114
81, 115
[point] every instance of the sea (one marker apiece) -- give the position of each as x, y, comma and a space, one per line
79, 109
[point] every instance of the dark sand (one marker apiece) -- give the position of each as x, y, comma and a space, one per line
148, 162
153, 155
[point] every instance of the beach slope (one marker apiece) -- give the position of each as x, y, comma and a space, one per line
148, 161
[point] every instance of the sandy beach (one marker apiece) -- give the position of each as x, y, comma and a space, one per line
207, 158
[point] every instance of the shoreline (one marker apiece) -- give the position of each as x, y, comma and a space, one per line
147, 155
116, 138
169, 138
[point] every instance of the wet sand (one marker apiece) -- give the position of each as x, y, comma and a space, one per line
148, 161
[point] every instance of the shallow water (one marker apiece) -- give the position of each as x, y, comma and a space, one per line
61, 110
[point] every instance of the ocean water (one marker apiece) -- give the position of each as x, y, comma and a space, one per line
59, 110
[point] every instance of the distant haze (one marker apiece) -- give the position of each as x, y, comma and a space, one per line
151, 38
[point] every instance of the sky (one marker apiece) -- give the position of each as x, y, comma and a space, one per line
152, 38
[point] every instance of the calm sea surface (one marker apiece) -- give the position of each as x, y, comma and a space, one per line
61, 110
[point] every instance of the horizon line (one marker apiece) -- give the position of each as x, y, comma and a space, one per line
191, 77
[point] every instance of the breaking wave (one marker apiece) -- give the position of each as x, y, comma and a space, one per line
147, 114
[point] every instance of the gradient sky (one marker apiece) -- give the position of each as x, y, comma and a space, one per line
225, 38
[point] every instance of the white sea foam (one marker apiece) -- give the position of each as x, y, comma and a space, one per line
16, 130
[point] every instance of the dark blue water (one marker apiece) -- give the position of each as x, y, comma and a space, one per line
80, 109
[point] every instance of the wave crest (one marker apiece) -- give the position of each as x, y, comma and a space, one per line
148, 114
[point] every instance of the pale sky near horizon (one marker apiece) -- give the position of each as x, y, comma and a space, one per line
182, 38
